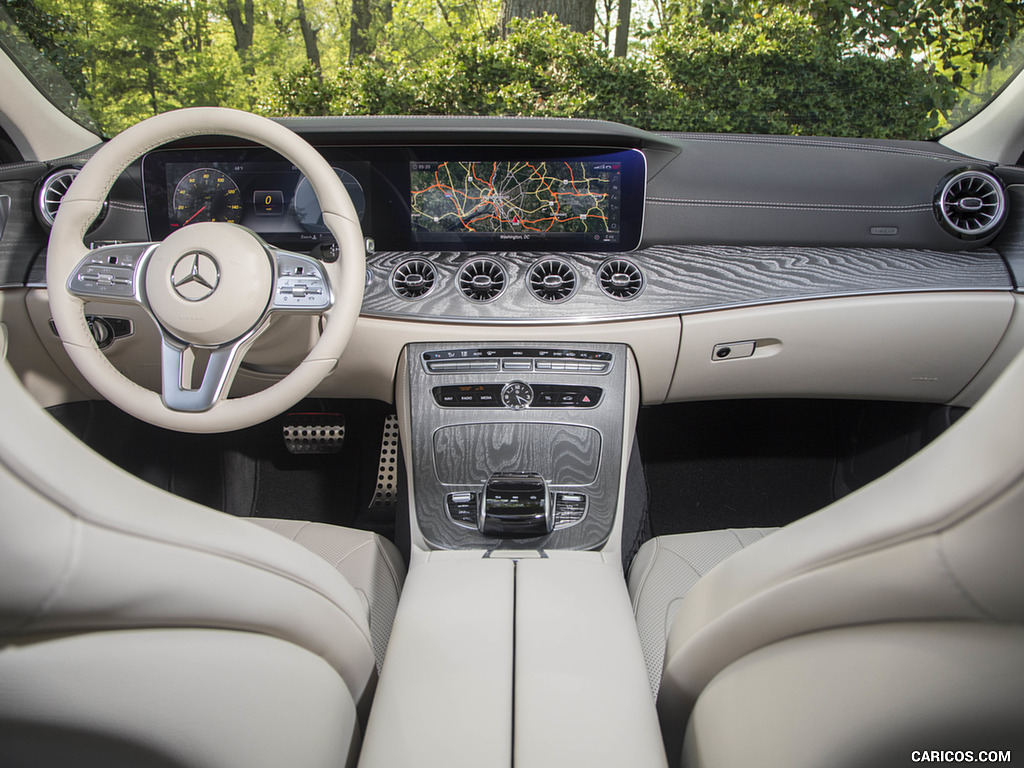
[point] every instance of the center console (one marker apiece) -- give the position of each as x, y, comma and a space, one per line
516, 445
516, 454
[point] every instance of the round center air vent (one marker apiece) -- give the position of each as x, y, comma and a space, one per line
413, 279
970, 204
482, 280
620, 279
553, 280
52, 191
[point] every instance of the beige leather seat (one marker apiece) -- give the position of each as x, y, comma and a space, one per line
139, 629
889, 623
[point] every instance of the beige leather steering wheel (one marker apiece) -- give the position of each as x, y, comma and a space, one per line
209, 286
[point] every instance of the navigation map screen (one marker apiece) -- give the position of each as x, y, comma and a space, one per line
563, 202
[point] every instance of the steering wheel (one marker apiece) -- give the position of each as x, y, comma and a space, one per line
209, 286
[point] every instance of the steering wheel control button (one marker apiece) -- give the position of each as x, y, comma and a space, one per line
195, 276
108, 273
301, 284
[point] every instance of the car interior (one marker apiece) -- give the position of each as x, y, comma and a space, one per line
715, 461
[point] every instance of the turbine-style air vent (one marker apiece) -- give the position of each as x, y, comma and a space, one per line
620, 279
413, 279
553, 280
52, 191
971, 204
482, 280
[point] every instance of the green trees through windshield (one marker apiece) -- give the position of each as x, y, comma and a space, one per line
827, 67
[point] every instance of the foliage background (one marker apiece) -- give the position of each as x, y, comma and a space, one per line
881, 69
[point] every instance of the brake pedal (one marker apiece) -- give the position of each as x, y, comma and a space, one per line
309, 433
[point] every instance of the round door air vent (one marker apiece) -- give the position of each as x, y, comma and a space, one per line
51, 192
553, 280
970, 204
482, 280
413, 279
620, 279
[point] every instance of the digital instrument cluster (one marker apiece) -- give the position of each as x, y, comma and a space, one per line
269, 196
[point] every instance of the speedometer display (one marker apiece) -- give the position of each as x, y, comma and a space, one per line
205, 194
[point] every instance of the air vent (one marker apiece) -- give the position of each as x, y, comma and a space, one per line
620, 279
413, 279
553, 280
971, 204
482, 280
52, 191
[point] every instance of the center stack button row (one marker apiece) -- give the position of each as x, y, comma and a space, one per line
462, 366
519, 366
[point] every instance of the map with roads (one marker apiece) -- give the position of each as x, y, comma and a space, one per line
517, 196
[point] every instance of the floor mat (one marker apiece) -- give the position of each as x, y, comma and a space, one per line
736, 464
248, 472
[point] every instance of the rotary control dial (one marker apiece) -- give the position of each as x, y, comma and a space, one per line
517, 395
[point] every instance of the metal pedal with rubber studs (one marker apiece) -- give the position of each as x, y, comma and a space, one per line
313, 433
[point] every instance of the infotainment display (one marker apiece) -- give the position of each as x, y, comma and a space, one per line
412, 198
515, 200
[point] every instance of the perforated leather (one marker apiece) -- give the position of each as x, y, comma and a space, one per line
664, 570
369, 562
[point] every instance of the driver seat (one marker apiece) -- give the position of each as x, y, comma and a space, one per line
140, 629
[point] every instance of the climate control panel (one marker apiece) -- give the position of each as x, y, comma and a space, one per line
516, 360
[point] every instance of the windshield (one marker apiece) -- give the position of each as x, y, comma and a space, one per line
877, 69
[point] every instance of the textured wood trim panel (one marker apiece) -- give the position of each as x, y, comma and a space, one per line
683, 279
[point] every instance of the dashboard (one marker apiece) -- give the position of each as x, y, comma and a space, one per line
828, 267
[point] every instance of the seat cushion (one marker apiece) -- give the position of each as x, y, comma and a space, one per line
664, 570
368, 561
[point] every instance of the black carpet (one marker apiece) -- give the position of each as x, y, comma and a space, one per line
248, 472
737, 464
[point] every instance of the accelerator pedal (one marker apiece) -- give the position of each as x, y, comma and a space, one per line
313, 433
385, 497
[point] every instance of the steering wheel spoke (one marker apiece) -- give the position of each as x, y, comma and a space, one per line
111, 273
301, 284
176, 364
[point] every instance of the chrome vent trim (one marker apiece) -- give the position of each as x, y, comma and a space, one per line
482, 280
51, 193
621, 279
971, 204
553, 281
413, 279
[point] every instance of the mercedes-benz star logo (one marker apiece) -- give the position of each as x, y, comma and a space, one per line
195, 276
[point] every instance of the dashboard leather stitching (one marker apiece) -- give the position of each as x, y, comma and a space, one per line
793, 206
